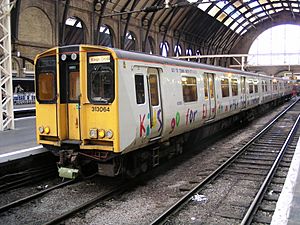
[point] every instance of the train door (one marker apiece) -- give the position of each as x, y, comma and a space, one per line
209, 86
73, 103
155, 108
243, 91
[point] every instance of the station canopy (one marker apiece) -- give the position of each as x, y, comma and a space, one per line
208, 22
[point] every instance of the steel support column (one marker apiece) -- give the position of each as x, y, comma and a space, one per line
6, 93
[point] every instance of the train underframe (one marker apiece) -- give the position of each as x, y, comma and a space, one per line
73, 161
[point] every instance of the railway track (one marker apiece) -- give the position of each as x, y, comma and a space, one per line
29, 176
33, 196
256, 162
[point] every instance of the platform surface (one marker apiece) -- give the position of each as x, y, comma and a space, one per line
288, 206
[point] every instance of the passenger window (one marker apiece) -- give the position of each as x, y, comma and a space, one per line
205, 86
153, 89
234, 87
211, 86
189, 89
255, 86
102, 85
250, 86
139, 89
46, 86
225, 87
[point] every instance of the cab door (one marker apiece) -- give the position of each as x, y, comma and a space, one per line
73, 101
155, 107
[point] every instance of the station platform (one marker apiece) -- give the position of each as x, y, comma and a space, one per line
287, 210
20, 142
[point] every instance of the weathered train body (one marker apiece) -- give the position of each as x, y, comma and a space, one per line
120, 109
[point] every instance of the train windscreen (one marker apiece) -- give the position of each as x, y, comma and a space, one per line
101, 79
46, 79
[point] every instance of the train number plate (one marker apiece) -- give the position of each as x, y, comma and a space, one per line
100, 109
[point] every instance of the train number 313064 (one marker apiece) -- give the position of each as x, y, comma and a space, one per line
100, 109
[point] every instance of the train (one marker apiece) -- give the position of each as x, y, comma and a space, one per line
119, 112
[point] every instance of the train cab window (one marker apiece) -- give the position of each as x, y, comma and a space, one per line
102, 85
234, 87
250, 86
139, 89
189, 89
46, 83
225, 87
153, 90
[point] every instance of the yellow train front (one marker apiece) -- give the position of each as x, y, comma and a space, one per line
76, 109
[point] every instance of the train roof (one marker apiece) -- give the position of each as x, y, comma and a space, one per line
139, 56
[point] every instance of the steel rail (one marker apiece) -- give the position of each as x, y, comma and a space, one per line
36, 195
186, 198
118, 189
27, 179
260, 194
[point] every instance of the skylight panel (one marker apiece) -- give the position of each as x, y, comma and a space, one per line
295, 5
271, 11
236, 14
285, 4
296, 10
262, 1
276, 5
268, 6
253, 4
222, 16
237, 4
214, 10
239, 29
252, 19
234, 25
257, 10
262, 14
221, 4
248, 14
241, 19
228, 21
243, 9
204, 6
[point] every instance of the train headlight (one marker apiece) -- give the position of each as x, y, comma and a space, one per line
74, 56
101, 133
47, 130
41, 129
109, 134
63, 57
93, 133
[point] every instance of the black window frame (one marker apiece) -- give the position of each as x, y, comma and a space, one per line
40, 70
111, 66
136, 88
